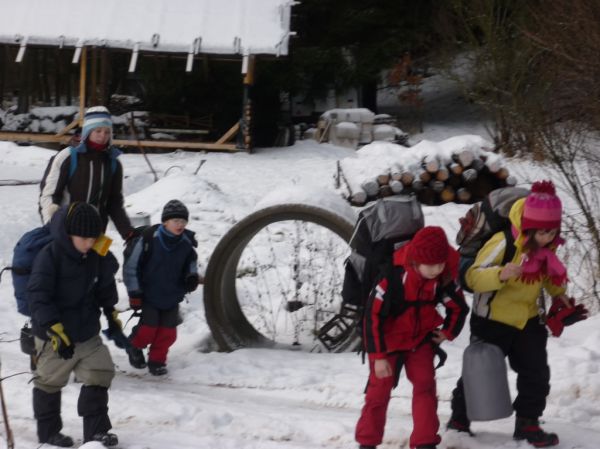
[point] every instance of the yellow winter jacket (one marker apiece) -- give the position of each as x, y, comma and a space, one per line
511, 302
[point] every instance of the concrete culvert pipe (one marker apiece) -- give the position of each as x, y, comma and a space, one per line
225, 315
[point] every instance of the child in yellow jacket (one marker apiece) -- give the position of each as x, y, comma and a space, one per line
505, 308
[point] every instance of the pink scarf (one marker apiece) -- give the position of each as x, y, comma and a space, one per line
543, 262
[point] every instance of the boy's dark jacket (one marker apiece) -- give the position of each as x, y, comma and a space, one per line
69, 287
385, 331
159, 279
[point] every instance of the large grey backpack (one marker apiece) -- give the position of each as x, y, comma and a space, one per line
379, 230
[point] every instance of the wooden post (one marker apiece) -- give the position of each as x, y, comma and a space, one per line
82, 80
3, 70
103, 76
35, 75
45, 76
24, 84
246, 122
94, 78
68, 83
57, 76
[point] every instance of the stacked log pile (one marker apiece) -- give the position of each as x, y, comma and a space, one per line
435, 172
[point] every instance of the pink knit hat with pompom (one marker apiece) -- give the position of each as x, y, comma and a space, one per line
542, 208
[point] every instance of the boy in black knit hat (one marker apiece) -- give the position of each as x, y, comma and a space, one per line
157, 278
69, 284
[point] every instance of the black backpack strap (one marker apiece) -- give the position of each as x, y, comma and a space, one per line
394, 301
147, 236
510, 249
393, 298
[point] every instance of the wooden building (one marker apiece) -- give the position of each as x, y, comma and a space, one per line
196, 31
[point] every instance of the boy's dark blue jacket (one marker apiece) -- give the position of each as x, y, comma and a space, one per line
69, 287
159, 277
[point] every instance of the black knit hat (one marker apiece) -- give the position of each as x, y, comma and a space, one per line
174, 209
83, 220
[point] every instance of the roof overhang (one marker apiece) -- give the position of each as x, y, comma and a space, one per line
223, 27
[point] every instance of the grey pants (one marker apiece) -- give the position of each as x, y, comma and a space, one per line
91, 364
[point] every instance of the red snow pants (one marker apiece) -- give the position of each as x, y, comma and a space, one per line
157, 328
420, 372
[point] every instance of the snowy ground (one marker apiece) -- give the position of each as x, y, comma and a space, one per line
260, 398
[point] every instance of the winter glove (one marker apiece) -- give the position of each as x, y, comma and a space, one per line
561, 315
61, 343
114, 323
580, 314
135, 303
135, 300
115, 328
191, 282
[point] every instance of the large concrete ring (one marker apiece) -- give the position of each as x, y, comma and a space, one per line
229, 326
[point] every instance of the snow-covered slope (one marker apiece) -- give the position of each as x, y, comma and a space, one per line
258, 398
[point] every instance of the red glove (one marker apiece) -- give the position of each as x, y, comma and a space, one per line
561, 315
135, 303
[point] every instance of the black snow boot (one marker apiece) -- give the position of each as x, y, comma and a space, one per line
60, 440
529, 429
92, 406
427, 446
363, 446
136, 357
459, 424
157, 368
46, 409
106, 438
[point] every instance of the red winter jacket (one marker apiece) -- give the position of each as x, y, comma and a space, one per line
386, 331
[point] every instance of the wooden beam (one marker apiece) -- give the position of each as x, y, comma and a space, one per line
67, 128
53, 138
175, 145
178, 131
82, 80
229, 134
33, 137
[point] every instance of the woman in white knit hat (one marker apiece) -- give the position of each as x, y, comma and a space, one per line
88, 172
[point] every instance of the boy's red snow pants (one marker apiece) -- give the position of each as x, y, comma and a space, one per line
420, 372
157, 328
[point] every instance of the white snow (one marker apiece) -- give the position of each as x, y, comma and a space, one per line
200, 26
265, 398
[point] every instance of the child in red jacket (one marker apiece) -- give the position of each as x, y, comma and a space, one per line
402, 327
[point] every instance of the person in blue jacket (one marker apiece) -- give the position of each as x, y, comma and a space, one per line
69, 285
157, 279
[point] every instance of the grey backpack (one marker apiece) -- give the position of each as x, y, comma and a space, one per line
379, 230
482, 221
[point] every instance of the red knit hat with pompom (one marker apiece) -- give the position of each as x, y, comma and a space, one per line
542, 208
429, 246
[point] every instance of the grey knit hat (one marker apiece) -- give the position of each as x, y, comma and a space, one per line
174, 209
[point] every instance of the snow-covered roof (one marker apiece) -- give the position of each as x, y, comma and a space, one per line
178, 26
